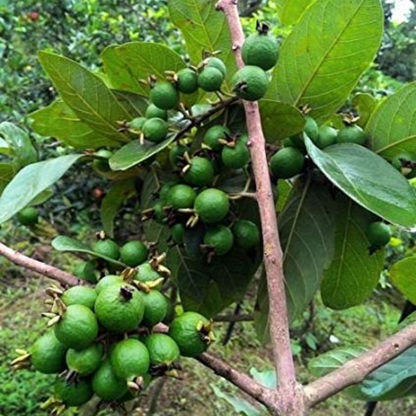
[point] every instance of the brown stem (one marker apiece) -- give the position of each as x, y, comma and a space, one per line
37, 266
273, 255
238, 378
356, 370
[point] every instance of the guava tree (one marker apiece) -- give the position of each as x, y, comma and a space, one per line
239, 159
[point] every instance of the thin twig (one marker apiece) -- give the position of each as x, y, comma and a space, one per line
291, 393
37, 266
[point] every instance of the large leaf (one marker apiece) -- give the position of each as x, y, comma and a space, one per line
21, 147
354, 271
113, 201
392, 127
326, 53
331, 360
369, 180
280, 120
204, 29
393, 380
291, 10
126, 64
134, 153
403, 276
63, 243
307, 231
59, 121
86, 94
30, 182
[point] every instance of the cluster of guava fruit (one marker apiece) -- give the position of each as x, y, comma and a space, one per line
108, 339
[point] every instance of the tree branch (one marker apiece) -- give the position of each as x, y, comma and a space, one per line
273, 256
37, 266
356, 370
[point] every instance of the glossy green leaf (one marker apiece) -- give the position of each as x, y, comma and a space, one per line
113, 201
307, 231
291, 10
369, 180
30, 182
403, 276
331, 360
67, 244
326, 53
280, 120
21, 148
59, 121
42, 197
134, 153
204, 30
7, 172
392, 127
365, 104
354, 271
126, 64
392, 380
86, 94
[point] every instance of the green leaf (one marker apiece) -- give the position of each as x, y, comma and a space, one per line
134, 153
209, 288
239, 404
280, 120
368, 179
266, 378
67, 244
393, 380
331, 360
21, 147
306, 227
42, 197
326, 53
30, 182
292, 10
133, 103
86, 94
126, 64
403, 276
113, 201
365, 104
354, 272
58, 120
283, 192
204, 30
392, 127
7, 172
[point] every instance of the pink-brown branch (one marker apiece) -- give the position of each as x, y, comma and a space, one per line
356, 370
273, 256
37, 266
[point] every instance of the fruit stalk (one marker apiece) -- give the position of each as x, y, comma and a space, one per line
288, 390
37, 266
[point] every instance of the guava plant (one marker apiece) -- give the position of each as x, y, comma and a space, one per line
241, 158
